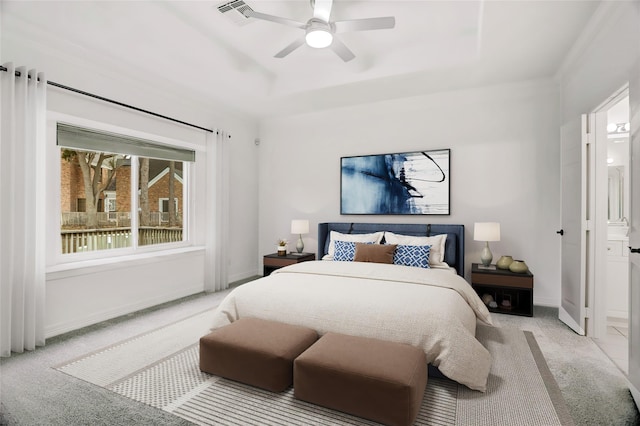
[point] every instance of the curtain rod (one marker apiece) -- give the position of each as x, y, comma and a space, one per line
102, 98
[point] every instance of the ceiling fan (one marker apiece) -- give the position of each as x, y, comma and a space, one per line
320, 30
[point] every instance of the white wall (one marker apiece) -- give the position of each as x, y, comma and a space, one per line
89, 294
601, 60
84, 296
504, 167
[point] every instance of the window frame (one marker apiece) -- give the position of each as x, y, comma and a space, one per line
55, 256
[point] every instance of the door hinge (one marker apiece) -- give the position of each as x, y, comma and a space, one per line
587, 130
587, 127
590, 139
587, 225
587, 312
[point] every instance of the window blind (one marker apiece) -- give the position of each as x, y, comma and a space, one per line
74, 137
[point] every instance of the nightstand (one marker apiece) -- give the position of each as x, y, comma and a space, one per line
271, 262
503, 285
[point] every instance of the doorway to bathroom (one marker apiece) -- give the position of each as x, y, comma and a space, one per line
611, 319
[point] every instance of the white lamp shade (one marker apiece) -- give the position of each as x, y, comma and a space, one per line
486, 231
299, 226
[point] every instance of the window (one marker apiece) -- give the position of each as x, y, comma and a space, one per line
157, 222
110, 201
120, 187
163, 207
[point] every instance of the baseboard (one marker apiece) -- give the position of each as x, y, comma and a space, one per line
635, 394
241, 276
545, 301
244, 280
623, 315
67, 326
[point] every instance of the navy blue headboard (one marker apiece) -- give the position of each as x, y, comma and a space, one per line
454, 248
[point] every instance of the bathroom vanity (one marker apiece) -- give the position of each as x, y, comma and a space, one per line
618, 273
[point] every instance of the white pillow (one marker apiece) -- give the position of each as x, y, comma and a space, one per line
375, 238
437, 242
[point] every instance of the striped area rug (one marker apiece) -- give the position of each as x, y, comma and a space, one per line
209, 400
149, 369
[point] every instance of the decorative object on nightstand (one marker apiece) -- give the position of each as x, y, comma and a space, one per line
486, 231
504, 262
518, 266
300, 226
282, 247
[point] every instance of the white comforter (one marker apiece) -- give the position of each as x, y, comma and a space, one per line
432, 309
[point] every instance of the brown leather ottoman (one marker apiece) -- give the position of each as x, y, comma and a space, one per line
370, 378
256, 352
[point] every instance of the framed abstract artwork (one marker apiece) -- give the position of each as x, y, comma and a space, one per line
416, 183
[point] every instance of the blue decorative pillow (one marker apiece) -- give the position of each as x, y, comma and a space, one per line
345, 251
417, 256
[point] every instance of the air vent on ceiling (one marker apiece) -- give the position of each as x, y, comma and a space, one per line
235, 10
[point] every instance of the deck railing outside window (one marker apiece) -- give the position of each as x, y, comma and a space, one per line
82, 240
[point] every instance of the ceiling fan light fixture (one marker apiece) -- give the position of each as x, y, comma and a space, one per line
318, 34
320, 29
319, 38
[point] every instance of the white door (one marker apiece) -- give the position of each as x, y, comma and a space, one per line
574, 140
634, 237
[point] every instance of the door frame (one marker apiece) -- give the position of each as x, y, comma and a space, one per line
598, 196
633, 377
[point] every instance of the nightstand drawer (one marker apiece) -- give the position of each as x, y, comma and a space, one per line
504, 281
271, 261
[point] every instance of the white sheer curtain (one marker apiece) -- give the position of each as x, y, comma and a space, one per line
216, 259
22, 209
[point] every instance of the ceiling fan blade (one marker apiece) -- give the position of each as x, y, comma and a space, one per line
366, 24
290, 48
342, 50
277, 19
322, 9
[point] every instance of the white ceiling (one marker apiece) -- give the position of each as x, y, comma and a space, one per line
435, 46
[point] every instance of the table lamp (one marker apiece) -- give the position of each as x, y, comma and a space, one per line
486, 231
300, 226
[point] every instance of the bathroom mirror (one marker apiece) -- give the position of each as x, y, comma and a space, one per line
616, 193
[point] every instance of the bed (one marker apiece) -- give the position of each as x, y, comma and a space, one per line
434, 309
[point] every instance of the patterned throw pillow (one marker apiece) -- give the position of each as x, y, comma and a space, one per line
437, 243
417, 256
345, 251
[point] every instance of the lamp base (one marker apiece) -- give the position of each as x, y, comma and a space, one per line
485, 256
300, 245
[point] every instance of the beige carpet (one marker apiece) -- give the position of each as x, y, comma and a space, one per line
160, 369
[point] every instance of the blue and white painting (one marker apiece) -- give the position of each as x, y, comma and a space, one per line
406, 183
